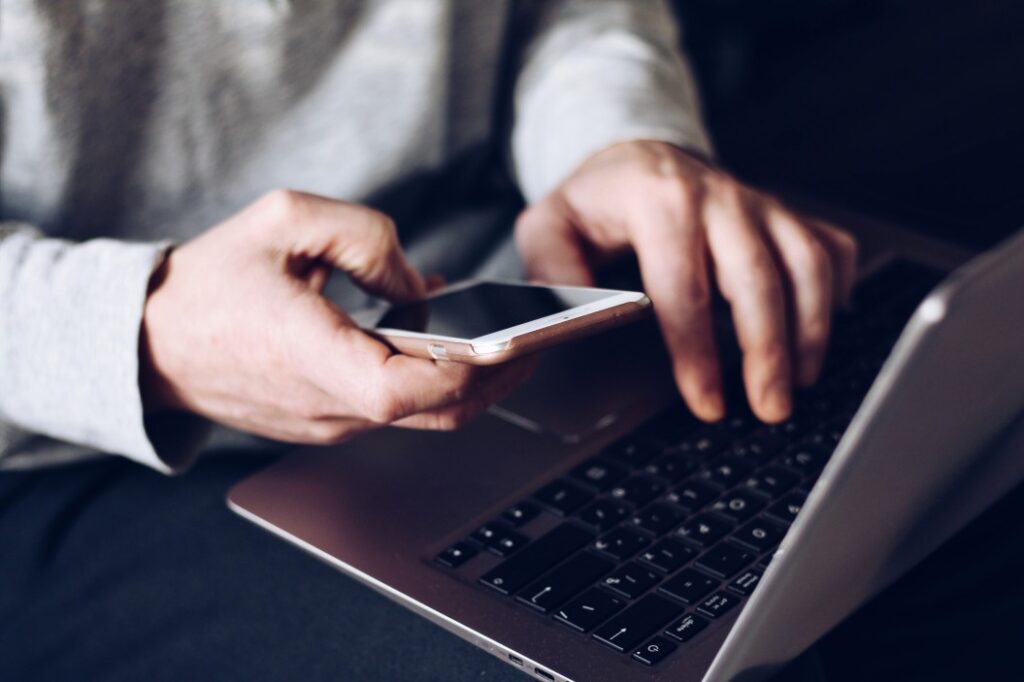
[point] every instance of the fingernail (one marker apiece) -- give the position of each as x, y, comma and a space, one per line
777, 401
713, 405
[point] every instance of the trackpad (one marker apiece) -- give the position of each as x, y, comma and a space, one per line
583, 386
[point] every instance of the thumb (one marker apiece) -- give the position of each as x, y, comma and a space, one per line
358, 240
551, 247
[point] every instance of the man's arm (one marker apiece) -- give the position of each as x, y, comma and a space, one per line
610, 153
69, 337
597, 72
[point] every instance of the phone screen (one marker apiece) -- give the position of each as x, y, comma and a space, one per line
484, 308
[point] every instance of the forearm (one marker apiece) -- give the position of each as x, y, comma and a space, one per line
597, 72
69, 343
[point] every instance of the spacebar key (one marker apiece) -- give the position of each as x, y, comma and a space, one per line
536, 558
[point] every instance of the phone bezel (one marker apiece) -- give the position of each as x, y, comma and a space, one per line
498, 341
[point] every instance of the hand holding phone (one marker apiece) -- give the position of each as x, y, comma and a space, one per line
489, 322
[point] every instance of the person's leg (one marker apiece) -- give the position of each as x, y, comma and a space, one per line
111, 571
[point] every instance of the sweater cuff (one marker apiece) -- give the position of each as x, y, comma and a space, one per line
587, 86
69, 351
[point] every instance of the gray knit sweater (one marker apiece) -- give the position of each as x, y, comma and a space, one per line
126, 125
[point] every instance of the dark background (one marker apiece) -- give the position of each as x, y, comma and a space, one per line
911, 110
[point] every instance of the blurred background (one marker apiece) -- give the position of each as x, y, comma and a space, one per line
910, 110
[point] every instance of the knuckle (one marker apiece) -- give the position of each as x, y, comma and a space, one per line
283, 202
326, 433
810, 257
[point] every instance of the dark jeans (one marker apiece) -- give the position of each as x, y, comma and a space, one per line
111, 571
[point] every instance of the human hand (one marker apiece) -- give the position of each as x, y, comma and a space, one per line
688, 222
235, 329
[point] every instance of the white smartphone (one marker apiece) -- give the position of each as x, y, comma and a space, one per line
486, 322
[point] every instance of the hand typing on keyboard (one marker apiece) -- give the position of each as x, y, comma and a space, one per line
687, 221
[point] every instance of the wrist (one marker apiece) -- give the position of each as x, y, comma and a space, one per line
157, 392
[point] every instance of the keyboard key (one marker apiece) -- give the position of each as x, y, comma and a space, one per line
746, 581
632, 451
631, 580
599, 474
760, 534
739, 505
657, 518
757, 450
563, 497
772, 481
639, 621
499, 539
787, 509
704, 529
689, 586
725, 560
672, 467
717, 604
603, 514
693, 494
668, 555
456, 555
804, 460
727, 471
622, 543
704, 443
521, 514
638, 490
655, 651
589, 610
537, 558
687, 627
575, 575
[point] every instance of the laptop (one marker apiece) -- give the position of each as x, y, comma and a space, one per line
589, 532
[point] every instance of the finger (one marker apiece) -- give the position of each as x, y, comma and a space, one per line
843, 249
550, 246
748, 278
492, 389
807, 265
356, 239
672, 253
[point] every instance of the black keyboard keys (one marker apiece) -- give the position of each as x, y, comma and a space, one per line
622, 543
632, 626
760, 534
739, 505
563, 497
499, 539
551, 590
638, 490
668, 555
632, 451
717, 604
631, 580
655, 651
603, 514
693, 494
788, 507
746, 581
657, 518
521, 514
456, 555
725, 560
689, 586
704, 529
599, 474
687, 627
728, 471
672, 467
538, 557
772, 481
589, 609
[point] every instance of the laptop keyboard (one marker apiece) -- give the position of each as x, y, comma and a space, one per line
672, 526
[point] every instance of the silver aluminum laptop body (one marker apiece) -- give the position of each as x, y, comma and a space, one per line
945, 408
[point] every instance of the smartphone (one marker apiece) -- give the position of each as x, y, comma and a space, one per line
487, 322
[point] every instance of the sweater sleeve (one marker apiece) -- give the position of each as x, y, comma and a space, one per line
597, 72
70, 317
